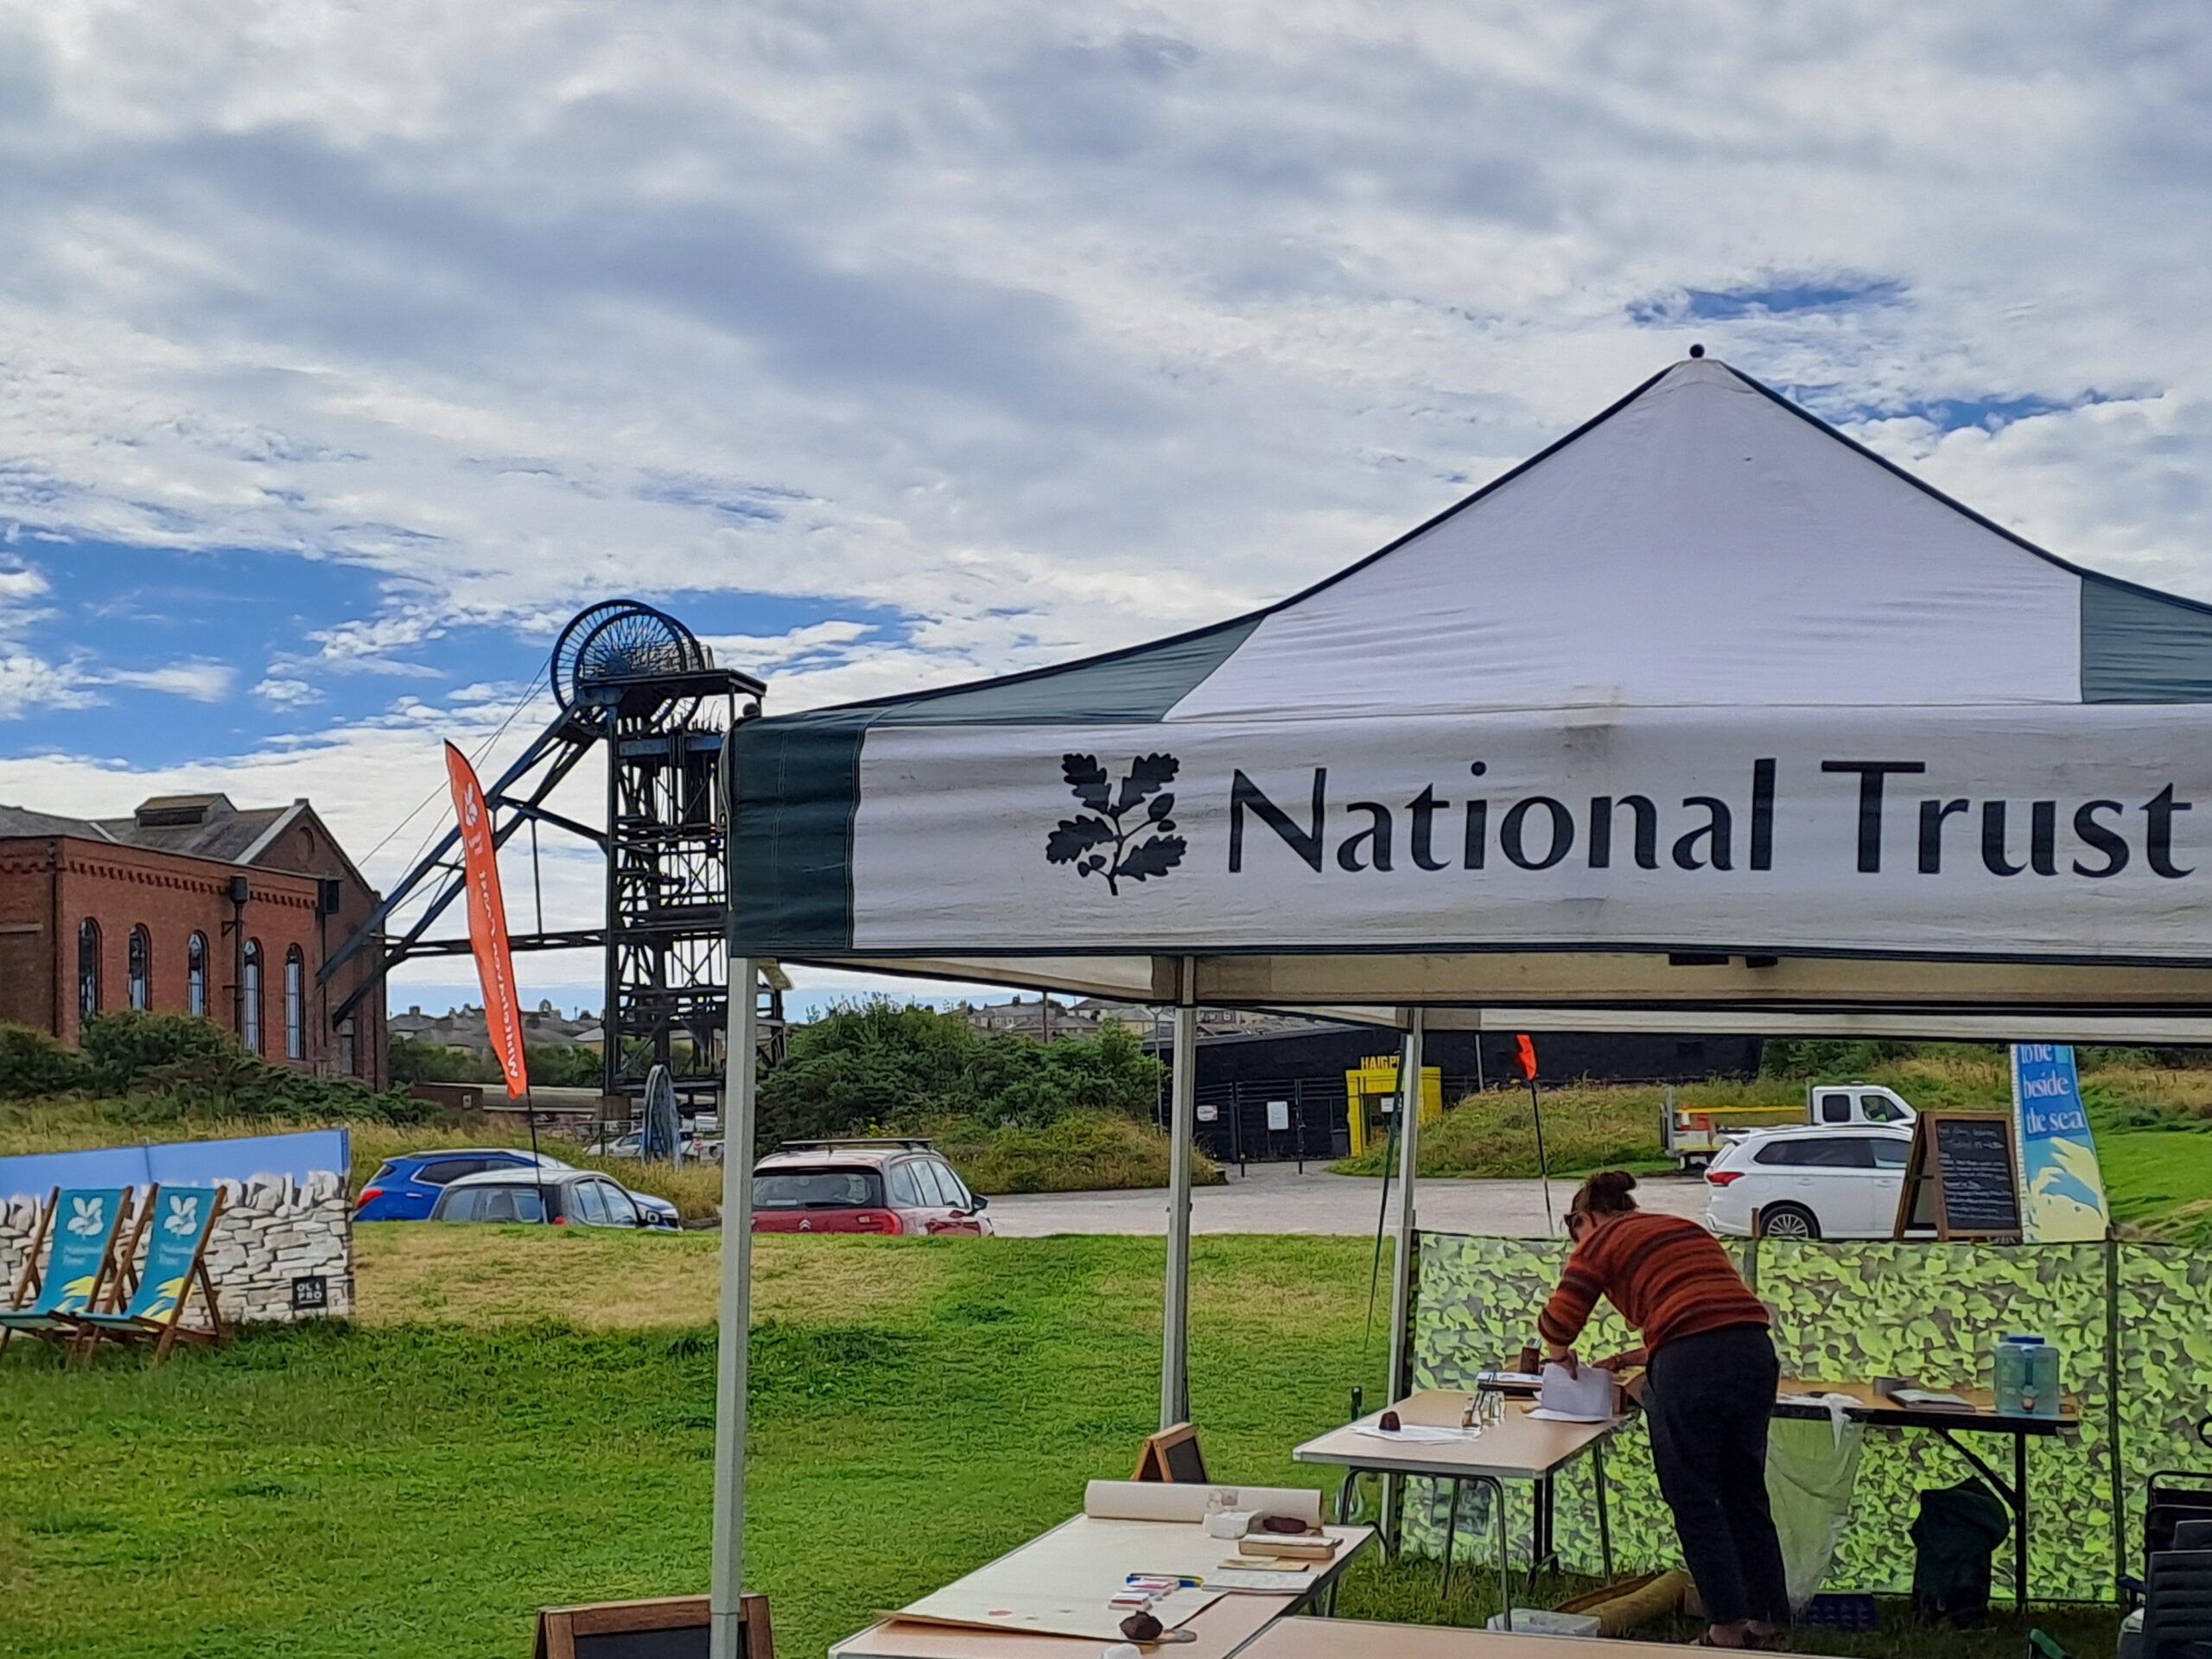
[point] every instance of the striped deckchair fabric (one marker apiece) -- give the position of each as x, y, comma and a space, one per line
82, 1225
177, 1230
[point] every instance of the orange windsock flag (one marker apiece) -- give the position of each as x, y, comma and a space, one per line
487, 922
1525, 1056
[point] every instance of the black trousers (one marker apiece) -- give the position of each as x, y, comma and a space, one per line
1708, 1398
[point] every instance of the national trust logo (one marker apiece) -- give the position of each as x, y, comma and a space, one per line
1124, 834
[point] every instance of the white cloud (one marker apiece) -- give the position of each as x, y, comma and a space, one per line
199, 680
29, 683
286, 693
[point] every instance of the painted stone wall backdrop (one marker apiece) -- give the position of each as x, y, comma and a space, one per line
273, 1230
1863, 1309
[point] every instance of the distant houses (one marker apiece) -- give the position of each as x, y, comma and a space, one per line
544, 1026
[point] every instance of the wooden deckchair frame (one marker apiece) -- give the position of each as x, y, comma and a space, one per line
164, 1333
106, 1277
559, 1627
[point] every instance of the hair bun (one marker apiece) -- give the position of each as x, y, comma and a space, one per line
1614, 1183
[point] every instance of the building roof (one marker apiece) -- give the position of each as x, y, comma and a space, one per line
198, 826
21, 821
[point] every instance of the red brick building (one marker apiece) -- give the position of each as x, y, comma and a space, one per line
194, 904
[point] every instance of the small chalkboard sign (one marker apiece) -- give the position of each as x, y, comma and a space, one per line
1173, 1455
1961, 1178
667, 1627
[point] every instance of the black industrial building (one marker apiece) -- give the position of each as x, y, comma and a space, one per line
1239, 1073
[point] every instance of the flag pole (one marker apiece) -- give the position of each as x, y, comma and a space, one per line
1525, 1057
1543, 1166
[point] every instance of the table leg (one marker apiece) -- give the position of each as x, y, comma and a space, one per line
2020, 1522
1451, 1535
1604, 1519
1504, 1548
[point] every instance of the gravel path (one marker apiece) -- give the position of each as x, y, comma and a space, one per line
1276, 1198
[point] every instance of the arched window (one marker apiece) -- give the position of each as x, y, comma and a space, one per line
295, 1005
141, 966
196, 973
88, 968
250, 986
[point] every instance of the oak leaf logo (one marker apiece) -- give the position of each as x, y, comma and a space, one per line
1124, 833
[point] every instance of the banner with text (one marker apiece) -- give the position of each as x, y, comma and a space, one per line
2058, 1156
487, 923
2082, 833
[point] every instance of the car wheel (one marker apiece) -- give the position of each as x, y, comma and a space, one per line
1788, 1221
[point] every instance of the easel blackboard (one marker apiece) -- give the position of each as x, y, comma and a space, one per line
667, 1627
1962, 1178
1173, 1455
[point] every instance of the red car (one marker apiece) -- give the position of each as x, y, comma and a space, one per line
890, 1186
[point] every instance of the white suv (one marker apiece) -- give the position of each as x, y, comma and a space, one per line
1809, 1183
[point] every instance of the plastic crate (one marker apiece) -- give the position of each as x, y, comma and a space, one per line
1840, 1612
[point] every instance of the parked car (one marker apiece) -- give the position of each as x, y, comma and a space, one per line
578, 1197
888, 1186
1808, 1182
404, 1188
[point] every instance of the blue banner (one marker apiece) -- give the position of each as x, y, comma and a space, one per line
2065, 1190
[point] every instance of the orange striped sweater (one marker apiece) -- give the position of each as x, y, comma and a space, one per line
1669, 1277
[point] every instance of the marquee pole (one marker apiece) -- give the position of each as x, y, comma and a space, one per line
1401, 1268
1175, 1322
739, 1102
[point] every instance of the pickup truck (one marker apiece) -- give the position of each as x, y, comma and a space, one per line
1692, 1134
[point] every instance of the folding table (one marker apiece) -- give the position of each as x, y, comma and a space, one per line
1520, 1448
1879, 1411
1221, 1629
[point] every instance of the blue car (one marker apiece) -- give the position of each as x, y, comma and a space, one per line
404, 1188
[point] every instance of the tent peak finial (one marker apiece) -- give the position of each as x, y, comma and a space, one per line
1697, 351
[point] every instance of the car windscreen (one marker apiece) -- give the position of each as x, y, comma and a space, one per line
490, 1203
818, 1189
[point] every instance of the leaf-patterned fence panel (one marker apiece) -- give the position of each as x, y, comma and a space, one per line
1846, 1311
1476, 1307
2165, 1370
1856, 1310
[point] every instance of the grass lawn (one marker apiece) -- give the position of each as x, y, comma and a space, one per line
417, 1483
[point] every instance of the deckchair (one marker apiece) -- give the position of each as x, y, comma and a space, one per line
80, 1269
176, 1226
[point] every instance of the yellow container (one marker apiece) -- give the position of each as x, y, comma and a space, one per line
1371, 1096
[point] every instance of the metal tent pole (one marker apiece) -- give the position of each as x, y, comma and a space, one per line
1175, 1323
726, 1636
1402, 1270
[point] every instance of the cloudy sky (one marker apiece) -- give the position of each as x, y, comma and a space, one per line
345, 351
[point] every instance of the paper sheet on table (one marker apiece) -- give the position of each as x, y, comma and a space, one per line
1583, 1397
1418, 1434
1243, 1579
1156, 1500
1045, 1613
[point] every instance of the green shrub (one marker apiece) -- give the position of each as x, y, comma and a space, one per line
1078, 1150
33, 1064
412, 1062
881, 1062
122, 1047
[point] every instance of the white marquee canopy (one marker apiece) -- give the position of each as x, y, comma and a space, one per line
1705, 718
1706, 709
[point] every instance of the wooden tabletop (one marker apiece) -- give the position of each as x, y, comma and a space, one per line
1871, 1408
1346, 1638
1221, 1629
1520, 1448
